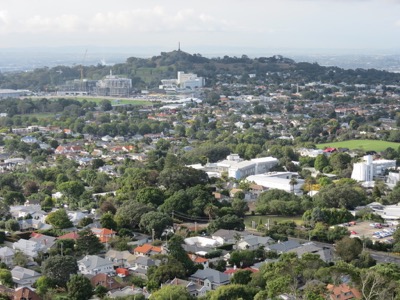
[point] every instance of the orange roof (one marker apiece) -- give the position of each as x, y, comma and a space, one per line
105, 231
146, 248
343, 292
103, 234
122, 271
69, 236
197, 259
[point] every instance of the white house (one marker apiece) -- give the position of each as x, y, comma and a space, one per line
253, 242
93, 264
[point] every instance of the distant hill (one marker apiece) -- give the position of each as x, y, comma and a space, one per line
147, 72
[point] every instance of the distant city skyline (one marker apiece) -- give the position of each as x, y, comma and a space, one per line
327, 25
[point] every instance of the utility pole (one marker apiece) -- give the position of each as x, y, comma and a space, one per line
152, 234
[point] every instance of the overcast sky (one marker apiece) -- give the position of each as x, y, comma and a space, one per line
242, 24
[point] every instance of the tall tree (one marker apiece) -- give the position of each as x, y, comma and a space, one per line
60, 268
59, 219
79, 288
87, 243
349, 248
155, 221
169, 292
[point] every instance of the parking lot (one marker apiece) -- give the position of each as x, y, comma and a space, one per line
372, 230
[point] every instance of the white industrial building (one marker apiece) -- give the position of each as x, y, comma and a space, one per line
238, 168
369, 169
190, 81
392, 179
279, 180
9, 93
184, 81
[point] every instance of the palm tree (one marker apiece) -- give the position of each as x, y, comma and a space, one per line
210, 210
292, 183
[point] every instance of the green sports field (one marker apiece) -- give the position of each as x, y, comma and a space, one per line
264, 219
366, 145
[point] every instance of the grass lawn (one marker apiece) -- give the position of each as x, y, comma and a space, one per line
272, 219
366, 145
39, 115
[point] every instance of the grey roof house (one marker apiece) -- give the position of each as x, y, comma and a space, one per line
24, 277
209, 278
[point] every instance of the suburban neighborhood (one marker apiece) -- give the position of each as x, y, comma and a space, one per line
272, 186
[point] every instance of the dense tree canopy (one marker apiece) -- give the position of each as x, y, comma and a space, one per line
59, 269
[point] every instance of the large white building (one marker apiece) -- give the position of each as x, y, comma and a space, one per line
368, 169
279, 180
238, 168
184, 81
190, 81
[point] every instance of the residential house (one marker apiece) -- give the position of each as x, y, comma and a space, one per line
24, 277
47, 241
223, 236
194, 289
68, 149
198, 260
103, 234
343, 292
283, 247
25, 293
128, 291
253, 242
147, 250
209, 278
33, 210
141, 265
138, 156
33, 224
106, 138
325, 253
122, 259
7, 255
69, 236
93, 265
105, 280
76, 216
29, 248
256, 190
122, 272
